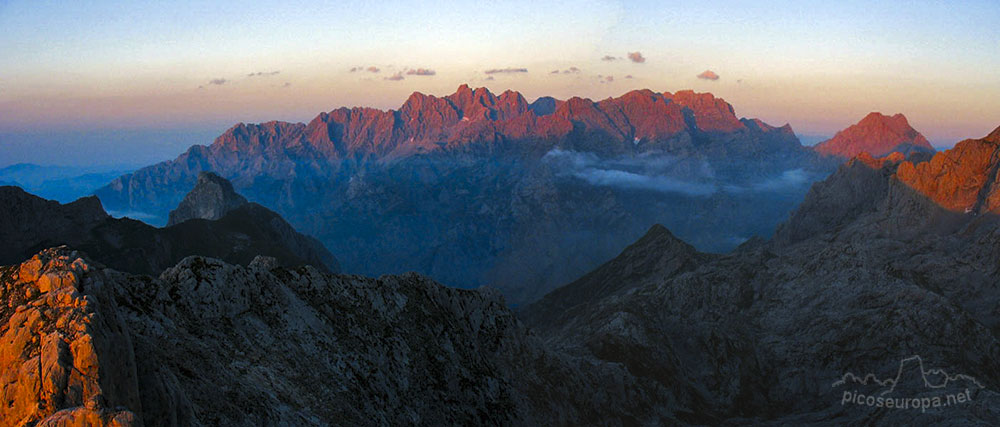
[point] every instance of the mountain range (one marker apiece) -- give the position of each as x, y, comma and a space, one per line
61, 183
875, 263
475, 188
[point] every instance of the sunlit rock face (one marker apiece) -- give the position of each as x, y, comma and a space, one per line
65, 355
475, 188
877, 135
209, 343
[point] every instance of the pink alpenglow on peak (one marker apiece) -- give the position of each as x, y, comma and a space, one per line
878, 135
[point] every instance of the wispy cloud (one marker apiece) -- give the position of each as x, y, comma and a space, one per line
628, 76
570, 70
218, 82
489, 78
287, 84
420, 72
609, 58
264, 73
650, 173
370, 69
506, 70
395, 77
708, 75
669, 174
636, 57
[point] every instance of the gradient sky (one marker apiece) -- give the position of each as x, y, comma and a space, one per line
92, 68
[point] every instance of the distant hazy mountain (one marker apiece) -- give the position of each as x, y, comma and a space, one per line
475, 188
29, 223
886, 262
877, 135
61, 183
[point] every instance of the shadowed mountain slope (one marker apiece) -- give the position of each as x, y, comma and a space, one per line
876, 266
29, 224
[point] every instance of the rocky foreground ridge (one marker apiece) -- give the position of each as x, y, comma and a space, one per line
208, 343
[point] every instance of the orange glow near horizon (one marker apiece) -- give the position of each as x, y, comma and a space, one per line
817, 66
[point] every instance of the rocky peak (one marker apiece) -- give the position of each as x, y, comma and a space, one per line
544, 106
878, 135
962, 179
512, 104
245, 140
994, 136
474, 104
710, 114
657, 254
211, 198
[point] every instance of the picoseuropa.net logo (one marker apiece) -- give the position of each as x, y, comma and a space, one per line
913, 387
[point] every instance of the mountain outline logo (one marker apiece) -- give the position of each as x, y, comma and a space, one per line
942, 389
892, 382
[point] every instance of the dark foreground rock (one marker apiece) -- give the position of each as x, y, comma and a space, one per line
217, 344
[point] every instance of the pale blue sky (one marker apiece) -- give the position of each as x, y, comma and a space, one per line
101, 65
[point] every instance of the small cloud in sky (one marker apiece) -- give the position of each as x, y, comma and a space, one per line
395, 77
420, 72
570, 70
609, 79
708, 75
287, 84
489, 78
506, 70
372, 69
353, 69
636, 57
628, 76
218, 82
609, 58
264, 73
